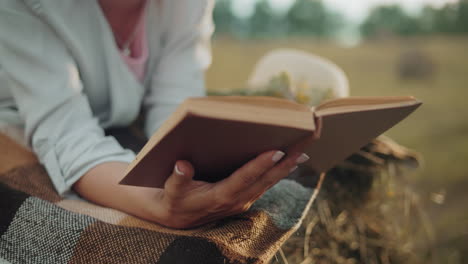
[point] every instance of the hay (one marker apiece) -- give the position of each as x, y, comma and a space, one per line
365, 213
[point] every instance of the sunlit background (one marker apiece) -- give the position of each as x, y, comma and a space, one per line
393, 47
353, 10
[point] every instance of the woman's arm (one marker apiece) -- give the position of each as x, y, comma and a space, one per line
184, 58
101, 186
43, 79
185, 203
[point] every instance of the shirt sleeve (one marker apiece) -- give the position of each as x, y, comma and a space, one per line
186, 54
45, 84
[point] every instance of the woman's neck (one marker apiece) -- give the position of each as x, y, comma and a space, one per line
122, 16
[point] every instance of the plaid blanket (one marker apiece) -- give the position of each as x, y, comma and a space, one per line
38, 226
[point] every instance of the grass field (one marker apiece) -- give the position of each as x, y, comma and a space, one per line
438, 130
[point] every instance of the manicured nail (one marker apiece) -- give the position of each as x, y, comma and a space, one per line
293, 169
178, 171
302, 158
278, 156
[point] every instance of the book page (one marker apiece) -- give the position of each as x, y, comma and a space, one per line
345, 132
260, 101
360, 100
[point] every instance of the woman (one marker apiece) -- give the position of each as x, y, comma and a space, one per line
71, 68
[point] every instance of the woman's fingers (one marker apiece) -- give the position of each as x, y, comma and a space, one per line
248, 183
181, 176
248, 174
194, 203
275, 174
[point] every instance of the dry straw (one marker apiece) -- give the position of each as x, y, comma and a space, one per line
366, 213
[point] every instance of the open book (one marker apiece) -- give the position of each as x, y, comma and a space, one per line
220, 134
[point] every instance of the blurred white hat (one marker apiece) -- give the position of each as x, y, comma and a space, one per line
319, 75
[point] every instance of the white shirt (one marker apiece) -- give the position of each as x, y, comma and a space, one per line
63, 80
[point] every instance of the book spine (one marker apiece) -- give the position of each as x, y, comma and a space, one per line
318, 126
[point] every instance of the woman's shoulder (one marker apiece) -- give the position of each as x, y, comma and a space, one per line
35, 7
13, 6
185, 4
38, 19
47, 12
188, 8
182, 14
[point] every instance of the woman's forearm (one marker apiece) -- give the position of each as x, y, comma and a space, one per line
185, 202
101, 186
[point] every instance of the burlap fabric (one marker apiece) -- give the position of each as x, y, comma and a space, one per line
38, 226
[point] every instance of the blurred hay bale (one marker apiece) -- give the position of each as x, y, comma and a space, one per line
415, 64
365, 212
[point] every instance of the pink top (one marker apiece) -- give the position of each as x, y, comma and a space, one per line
139, 53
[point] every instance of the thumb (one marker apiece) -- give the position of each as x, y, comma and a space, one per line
181, 175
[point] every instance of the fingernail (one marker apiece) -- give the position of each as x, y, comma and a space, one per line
293, 169
302, 158
178, 171
278, 156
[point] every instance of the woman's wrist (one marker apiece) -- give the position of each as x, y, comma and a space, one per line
101, 186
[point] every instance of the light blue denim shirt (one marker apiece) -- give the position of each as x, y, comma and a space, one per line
63, 81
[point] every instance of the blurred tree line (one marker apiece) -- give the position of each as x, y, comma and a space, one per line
312, 18
451, 18
305, 17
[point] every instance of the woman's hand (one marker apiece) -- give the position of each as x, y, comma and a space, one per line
185, 203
